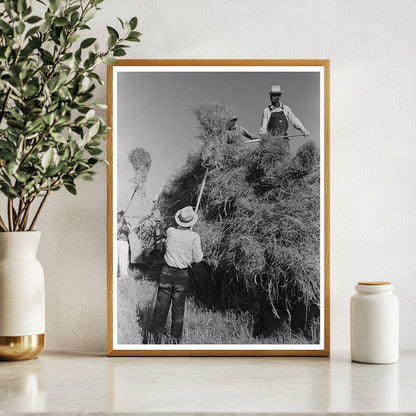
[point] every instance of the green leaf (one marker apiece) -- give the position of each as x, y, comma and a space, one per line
92, 161
16, 124
53, 83
67, 153
48, 118
74, 18
54, 4
112, 31
63, 41
90, 115
94, 129
35, 125
31, 32
20, 28
21, 6
87, 42
47, 158
31, 90
133, 23
11, 168
10, 8
110, 60
73, 38
46, 57
121, 22
94, 151
134, 37
52, 171
90, 14
86, 176
4, 145
61, 21
6, 29
112, 41
27, 12
8, 191
119, 52
58, 137
33, 19
21, 177
78, 154
70, 188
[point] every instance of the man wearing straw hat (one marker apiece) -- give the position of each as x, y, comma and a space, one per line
183, 247
276, 117
237, 133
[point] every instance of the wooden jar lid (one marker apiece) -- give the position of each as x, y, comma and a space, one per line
374, 283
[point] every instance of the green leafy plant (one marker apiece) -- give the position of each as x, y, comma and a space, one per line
50, 134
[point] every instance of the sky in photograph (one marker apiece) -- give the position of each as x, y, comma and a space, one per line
154, 112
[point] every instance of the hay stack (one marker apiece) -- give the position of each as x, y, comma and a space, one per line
140, 162
259, 217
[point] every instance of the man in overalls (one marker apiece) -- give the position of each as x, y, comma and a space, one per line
276, 117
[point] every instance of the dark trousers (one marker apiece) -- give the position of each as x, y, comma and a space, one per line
172, 289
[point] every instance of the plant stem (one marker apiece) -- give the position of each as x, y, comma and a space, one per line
2, 224
39, 209
20, 215
10, 213
26, 216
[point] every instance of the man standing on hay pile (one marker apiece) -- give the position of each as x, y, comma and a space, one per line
183, 247
276, 116
237, 133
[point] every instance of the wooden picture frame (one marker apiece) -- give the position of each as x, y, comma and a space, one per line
266, 252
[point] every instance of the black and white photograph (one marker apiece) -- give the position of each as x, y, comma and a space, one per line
218, 208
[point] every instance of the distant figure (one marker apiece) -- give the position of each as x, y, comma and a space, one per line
122, 245
236, 133
276, 117
183, 247
156, 219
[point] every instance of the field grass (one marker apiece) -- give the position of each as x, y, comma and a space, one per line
136, 298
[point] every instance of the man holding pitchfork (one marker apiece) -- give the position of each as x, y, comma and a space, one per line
183, 247
276, 117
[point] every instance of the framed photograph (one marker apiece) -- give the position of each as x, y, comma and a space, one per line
218, 208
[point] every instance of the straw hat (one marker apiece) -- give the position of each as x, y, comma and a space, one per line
275, 89
234, 117
186, 217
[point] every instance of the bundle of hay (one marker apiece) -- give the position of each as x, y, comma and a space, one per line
140, 162
259, 219
213, 119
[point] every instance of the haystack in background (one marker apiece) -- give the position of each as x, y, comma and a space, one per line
259, 224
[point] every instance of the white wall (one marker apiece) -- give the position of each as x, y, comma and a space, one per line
371, 45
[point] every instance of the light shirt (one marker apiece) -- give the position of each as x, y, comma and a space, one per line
183, 247
237, 133
288, 114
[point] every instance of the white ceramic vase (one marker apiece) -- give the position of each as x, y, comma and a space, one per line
374, 323
22, 296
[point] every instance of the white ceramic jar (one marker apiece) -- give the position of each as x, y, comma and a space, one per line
374, 323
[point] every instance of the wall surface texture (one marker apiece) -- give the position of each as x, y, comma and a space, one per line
371, 45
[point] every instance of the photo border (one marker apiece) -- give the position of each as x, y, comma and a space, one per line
182, 350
